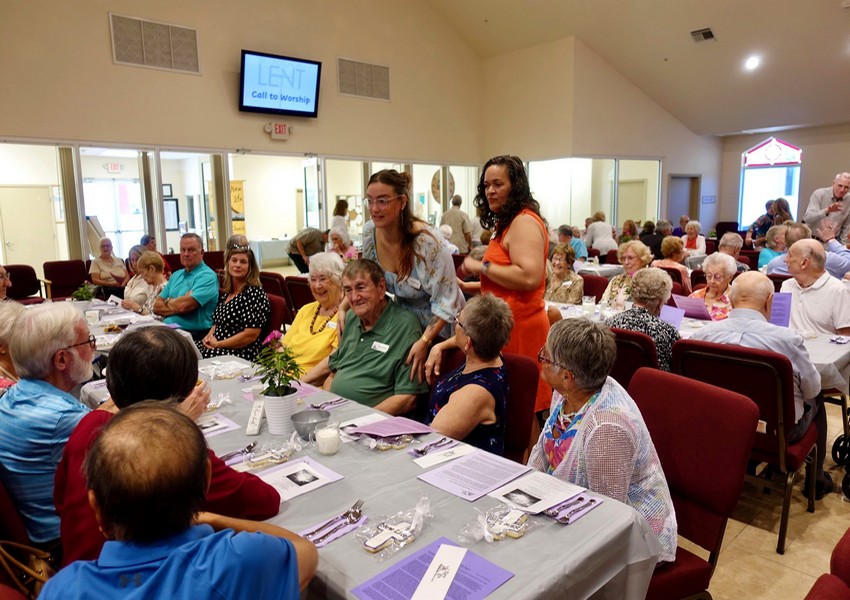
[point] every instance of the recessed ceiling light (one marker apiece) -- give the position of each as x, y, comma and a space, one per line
752, 63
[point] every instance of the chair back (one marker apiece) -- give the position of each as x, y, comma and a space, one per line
745, 260
591, 252
710, 246
298, 288
173, 261
724, 227
277, 316
684, 418
594, 285
698, 278
214, 259
777, 280
457, 259
675, 274
764, 376
634, 351
64, 277
275, 284
611, 258
26, 288
12, 526
676, 290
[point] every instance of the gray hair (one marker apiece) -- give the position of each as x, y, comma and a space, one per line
586, 348
664, 227
9, 311
565, 230
193, 236
794, 232
488, 322
39, 333
342, 232
732, 240
724, 262
772, 233
651, 288
328, 264
640, 249
696, 224
138, 250
446, 230
237, 239
478, 252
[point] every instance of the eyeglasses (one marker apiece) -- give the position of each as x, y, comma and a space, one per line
715, 277
91, 341
381, 202
458, 323
5, 276
545, 359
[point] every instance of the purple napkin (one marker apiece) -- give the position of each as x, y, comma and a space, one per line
339, 533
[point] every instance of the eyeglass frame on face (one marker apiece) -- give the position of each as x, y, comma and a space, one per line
91, 341
381, 202
542, 359
5, 276
716, 277
458, 323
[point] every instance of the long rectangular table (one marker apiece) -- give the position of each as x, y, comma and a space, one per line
610, 553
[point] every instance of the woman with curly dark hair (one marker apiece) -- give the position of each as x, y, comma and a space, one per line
514, 266
418, 267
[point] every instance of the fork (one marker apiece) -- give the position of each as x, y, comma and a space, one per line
565, 520
328, 403
432, 446
354, 509
235, 453
553, 511
351, 519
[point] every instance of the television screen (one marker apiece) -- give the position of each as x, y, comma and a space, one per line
279, 85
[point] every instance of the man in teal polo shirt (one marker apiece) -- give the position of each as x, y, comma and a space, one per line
369, 364
191, 294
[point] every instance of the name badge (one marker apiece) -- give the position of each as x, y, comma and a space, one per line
414, 283
380, 347
331, 325
567, 284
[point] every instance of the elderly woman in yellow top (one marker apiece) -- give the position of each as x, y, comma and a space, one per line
633, 256
313, 335
107, 270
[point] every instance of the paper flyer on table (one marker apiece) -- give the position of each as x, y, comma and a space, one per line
391, 427
477, 577
535, 492
347, 426
474, 475
298, 477
213, 424
437, 457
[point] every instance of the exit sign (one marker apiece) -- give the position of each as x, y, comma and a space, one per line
279, 131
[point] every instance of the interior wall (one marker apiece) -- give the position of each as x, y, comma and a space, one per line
53, 46
825, 152
270, 189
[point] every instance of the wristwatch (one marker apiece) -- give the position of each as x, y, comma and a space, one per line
485, 266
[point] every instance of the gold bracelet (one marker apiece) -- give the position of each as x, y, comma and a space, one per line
425, 339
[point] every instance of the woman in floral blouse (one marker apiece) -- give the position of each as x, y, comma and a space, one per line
719, 271
633, 256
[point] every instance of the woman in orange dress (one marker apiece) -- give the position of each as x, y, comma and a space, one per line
514, 265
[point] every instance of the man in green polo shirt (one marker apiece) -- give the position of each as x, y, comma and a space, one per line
369, 364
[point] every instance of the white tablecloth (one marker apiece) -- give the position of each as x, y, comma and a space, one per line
271, 253
607, 271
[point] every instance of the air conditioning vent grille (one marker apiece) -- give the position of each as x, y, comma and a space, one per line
363, 80
703, 35
154, 45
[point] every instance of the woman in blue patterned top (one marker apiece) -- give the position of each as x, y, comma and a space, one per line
470, 402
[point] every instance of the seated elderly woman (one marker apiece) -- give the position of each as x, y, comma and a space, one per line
108, 271
242, 310
141, 291
9, 311
340, 242
694, 242
133, 257
595, 436
313, 333
775, 240
633, 256
470, 402
650, 291
563, 284
719, 270
673, 251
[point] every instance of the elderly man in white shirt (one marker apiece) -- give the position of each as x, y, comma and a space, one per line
829, 204
820, 302
747, 325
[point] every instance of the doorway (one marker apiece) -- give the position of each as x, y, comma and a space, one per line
34, 244
683, 197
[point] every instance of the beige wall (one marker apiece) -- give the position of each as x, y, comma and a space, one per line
826, 151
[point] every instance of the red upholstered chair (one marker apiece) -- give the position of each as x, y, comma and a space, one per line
777, 280
275, 284
26, 286
675, 274
173, 261
611, 258
698, 278
522, 371
634, 350
746, 260
298, 288
593, 252
63, 277
458, 260
214, 259
684, 418
277, 315
9, 593
766, 378
675, 290
710, 246
723, 227
835, 585
594, 285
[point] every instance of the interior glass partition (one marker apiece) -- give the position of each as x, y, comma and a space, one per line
570, 190
345, 181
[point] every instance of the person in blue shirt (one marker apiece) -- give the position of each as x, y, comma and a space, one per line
565, 236
148, 473
190, 296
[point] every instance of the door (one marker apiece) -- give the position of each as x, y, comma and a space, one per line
27, 222
683, 198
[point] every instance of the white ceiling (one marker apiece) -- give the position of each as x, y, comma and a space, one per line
804, 79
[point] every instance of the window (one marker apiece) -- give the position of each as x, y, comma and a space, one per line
769, 170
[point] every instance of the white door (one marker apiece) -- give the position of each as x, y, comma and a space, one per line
27, 225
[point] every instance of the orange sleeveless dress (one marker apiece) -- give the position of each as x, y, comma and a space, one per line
531, 325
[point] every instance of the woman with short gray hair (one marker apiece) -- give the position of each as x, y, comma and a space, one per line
595, 436
719, 270
470, 403
9, 311
650, 291
340, 242
694, 242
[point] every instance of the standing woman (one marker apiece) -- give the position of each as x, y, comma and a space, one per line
242, 310
340, 216
418, 266
514, 265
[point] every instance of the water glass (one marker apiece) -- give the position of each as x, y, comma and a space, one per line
588, 304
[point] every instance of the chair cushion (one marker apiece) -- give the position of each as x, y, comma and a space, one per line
688, 575
828, 587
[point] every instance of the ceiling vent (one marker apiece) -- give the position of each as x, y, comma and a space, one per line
703, 35
154, 45
363, 79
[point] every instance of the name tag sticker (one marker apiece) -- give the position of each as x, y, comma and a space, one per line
414, 283
567, 284
331, 324
380, 347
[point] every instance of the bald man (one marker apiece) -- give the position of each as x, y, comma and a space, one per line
747, 325
837, 256
831, 203
820, 302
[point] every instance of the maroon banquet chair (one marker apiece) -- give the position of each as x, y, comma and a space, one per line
274, 284
634, 351
685, 418
676, 290
594, 285
26, 286
612, 257
777, 280
63, 277
173, 262
675, 274
214, 259
298, 289
835, 585
710, 246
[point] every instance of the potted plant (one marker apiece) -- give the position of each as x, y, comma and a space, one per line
277, 366
85, 292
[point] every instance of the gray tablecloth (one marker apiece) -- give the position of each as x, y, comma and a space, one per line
607, 271
610, 553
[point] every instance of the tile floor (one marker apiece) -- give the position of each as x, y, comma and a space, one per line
749, 566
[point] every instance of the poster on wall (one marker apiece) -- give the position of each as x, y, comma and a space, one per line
171, 212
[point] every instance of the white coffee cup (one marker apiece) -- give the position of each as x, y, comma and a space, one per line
326, 438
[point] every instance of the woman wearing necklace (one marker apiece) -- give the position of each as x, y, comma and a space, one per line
595, 436
9, 312
312, 335
242, 310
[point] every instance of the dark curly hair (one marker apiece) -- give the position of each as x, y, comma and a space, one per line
519, 198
